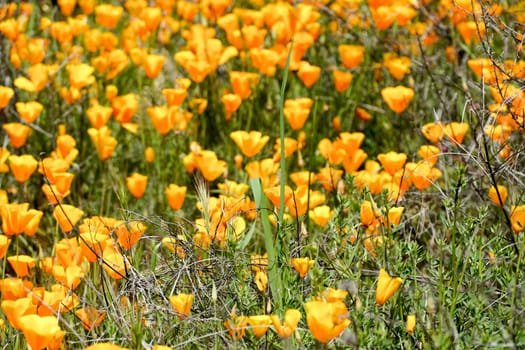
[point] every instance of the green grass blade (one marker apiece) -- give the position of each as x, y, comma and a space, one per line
274, 277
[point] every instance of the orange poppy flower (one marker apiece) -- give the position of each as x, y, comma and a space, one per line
342, 80
51, 166
80, 75
397, 98
198, 70
429, 153
104, 143
274, 195
29, 111
392, 161
69, 276
129, 234
236, 326
10, 27
114, 263
152, 17
433, 132
22, 167
90, 317
302, 265
264, 60
4, 155
137, 184
41, 331
182, 304
308, 74
242, 83
471, 32
108, 15
383, 17
98, 115
18, 133
21, 264
386, 286
498, 196
351, 55
149, 154
259, 324
250, 143
162, 120
175, 97
231, 103
290, 146
517, 218
321, 215
291, 320
175, 195
369, 215
411, 323
398, 67
153, 65
92, 244
18, 218
124, 107
456, 131
87, 6
67, 216
423, 175
297, 111
326, 320
331, 151
209, 166
66, 148
394, 215
329, 177
265, 169
14, 309
4, 244
299, 205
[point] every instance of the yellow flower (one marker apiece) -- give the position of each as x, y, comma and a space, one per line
250, 143
392, 161
291, 320
351, 55
6, 93
41, 331
326, 320
397, 98
182, 304
104, 143
176, 195
493, 195
386, 286
302, 265
261, 280
67, 216
236, 326
18, 218
517, 218
29, 111
411, 323
153, 65
456, 131
259, 324
137, 184
321, 215
21, 264
18, 133
22, 167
